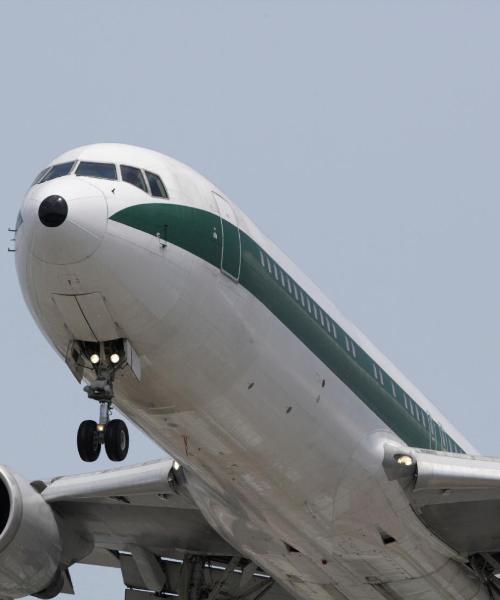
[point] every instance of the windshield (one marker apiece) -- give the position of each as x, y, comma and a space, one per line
55, 171
133, 176
96, 169
101, 170
38, 178
156, 185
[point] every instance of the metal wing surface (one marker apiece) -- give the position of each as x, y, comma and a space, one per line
142, 520
457, 496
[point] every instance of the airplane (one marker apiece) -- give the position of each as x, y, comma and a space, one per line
300, 462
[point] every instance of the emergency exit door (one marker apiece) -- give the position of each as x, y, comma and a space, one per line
231, 241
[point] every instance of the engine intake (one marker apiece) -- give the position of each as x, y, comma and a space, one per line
4, 506
30, 542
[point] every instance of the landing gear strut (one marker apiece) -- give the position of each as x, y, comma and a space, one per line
112, 433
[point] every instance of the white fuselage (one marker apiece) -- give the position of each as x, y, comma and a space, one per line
282, 449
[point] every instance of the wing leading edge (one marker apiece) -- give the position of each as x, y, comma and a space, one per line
140, 519
457, 496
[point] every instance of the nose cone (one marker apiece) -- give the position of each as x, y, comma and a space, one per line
69, 217
53, 211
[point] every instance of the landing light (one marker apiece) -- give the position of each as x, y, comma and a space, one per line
404, 459
94, 359
115, 358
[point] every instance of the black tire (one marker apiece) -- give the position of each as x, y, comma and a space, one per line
116, 440
89, 446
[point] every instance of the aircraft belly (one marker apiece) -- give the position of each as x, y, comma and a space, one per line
289, 458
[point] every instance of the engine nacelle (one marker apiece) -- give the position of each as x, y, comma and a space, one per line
30, 541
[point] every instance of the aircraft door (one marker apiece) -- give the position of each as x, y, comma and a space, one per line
231, 241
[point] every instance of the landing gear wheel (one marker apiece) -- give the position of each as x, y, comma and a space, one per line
116, 440
89, 444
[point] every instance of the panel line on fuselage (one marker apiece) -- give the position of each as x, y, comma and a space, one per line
192, 230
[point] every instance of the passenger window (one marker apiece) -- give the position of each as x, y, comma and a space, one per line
156, 185
97, 170
57, 171
134, 176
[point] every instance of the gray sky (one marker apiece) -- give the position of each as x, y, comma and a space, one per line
362, 137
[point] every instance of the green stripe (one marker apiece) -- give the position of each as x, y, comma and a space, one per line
200, 233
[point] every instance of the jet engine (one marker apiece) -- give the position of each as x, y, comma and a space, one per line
30, 541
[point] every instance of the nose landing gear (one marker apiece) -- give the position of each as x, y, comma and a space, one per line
88, 441
113, 434
116, 440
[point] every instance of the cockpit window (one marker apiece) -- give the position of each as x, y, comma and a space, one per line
96, 169
134, 176
156, 186
56, 171
40, 175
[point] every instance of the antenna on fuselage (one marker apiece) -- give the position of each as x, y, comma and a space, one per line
14, 231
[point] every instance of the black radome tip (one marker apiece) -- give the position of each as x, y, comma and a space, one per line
53, 211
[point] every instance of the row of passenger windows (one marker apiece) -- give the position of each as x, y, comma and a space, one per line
302, 298
145, 180
435, 430
436, 434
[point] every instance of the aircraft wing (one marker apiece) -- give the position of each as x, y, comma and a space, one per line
457, 496
140, 519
